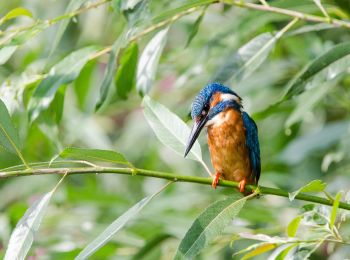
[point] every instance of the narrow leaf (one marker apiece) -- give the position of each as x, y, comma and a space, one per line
147, 67
113, 228
126, 74
259, 250
23, 235
6, 53
110, 71
94, 155
283, 254
209, 225
72, 6
334, 209
293, 226
194, 28
313, 186
16, 12
307, 101
246, 60
169, 128
64, 72
331, 63
9, 137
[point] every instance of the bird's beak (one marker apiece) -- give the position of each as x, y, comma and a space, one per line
196, 129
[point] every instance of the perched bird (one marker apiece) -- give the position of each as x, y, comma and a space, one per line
232, 135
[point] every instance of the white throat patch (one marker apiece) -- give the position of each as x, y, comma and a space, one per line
226, 96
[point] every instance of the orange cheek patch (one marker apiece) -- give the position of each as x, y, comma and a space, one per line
216, 99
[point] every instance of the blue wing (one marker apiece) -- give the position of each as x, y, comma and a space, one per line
252, 142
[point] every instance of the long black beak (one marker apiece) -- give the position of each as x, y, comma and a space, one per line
196, 129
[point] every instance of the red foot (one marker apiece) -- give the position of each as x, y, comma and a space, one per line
215, 180
242, 184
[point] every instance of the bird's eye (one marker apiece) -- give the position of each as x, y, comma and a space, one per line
204, 112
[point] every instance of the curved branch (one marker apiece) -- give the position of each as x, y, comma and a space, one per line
167, 176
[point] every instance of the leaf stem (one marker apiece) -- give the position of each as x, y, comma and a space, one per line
168, 176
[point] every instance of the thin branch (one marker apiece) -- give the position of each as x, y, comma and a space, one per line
168, 176
292, 13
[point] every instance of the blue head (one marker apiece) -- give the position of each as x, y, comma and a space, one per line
211, 100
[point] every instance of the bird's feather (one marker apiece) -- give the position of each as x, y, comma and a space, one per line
252, 142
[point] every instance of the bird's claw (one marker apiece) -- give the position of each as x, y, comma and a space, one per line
215, 180
242, 184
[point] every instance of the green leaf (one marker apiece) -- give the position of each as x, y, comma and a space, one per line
246, 60
6, 53
16, 12
113, 228
94, 155
293, 226
126, 74
150, 245
169, 128
148, 63
209, 225
313, 186
135, 11
283, 254
334, 209
9, 137
265, 247
23, 235
194, 28
307, 101
64, 72
329, 64
110, 71
72, 6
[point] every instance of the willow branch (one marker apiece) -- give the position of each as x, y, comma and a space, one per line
167, 176
292, 13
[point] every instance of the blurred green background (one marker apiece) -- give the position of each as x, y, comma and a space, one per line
302, 139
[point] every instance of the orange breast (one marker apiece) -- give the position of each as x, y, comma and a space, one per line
229, 154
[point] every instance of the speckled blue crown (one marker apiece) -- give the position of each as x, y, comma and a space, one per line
204, 97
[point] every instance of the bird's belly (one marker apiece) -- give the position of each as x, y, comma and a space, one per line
229, 154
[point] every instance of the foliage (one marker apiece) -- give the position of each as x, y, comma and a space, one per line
105, 86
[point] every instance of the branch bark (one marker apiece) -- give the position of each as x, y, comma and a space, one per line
168, 176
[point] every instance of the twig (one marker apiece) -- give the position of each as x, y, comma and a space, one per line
292, 13
167, 176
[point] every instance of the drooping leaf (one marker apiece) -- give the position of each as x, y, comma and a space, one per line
169, 128
110, 71
23, 235
195, 26
246, 60
259, 250
16, 12
63, 72
126, 74
209, 225
330, 64
6, 53
9, 137
313, 186
293, 226
334, 209
113, 228
93, 155
72, 6
148, 63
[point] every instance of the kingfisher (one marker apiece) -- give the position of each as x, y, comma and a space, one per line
232, 135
